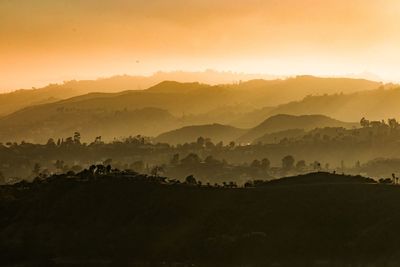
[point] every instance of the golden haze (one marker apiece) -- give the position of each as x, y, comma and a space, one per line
45, 41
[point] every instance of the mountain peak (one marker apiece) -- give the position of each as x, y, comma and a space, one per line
176, 87
282, 122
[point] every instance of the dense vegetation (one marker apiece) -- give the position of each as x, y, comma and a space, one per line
102, 216
370, 150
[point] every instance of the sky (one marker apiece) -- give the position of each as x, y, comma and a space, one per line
43, 41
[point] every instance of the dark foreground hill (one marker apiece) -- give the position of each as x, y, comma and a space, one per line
131, 221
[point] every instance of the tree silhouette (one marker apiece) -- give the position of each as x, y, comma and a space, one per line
288, 162
50, 143
364, 122
36, 169
301, 165
2, 179
97, 140
108, 169
156, 170
190, 180
175, 160
232, 144
59, 164
317, 166
210, 160
100, 169
201, 141
256, 164
265, 164
77, 138
92, 169
393, 124
190, 160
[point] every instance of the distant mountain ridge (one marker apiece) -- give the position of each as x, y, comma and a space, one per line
272, 128
282, 122
263, 92
276, 137
177, 105
38, 125
216, 132
373, 104
12, 101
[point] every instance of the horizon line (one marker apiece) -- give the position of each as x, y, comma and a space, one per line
264, 76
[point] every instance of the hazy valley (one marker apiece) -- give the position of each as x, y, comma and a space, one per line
173, 145
210, 133
170, 105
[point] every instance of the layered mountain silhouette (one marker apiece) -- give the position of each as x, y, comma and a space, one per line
216, 132
271, 130
275, 137
258, 93
374, 104
284, 122
171, 105
10, 102
40, 123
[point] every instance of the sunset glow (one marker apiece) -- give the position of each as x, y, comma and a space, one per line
51, 41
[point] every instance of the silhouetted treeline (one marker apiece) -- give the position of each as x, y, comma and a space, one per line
331, 149
25, 161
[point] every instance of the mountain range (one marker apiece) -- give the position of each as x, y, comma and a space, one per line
216, 132
13, 101
262, 92
373, 104
284, 122
276, 126
237, 109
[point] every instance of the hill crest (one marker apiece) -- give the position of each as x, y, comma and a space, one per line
282, 122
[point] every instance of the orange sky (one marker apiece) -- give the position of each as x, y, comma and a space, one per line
44, 41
